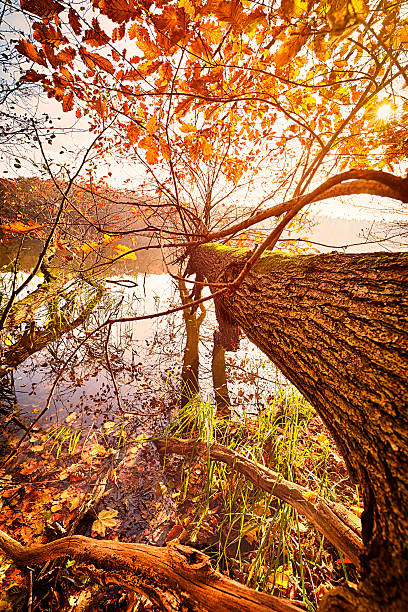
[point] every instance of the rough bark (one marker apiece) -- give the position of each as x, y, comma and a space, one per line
176, 578
337, 327
335, 521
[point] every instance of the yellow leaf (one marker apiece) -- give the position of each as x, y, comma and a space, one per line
124, 251
281, 578
311, 496
207, 148
188, 7
88, 247
187, 128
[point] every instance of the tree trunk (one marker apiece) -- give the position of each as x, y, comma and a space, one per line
337, 327
191, 361
219, 377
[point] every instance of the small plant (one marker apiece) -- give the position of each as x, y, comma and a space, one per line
63, 435
250, 534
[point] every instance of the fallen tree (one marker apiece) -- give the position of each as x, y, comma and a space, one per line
175, 578
337, 327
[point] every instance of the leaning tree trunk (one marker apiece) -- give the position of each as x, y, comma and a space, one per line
337, 327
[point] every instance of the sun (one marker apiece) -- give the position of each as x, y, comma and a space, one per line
384, 112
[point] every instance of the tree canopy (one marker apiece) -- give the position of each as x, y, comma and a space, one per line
305, 89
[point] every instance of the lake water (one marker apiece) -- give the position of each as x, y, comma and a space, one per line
145, 357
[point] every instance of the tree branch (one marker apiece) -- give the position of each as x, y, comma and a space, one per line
333, 520
174, 578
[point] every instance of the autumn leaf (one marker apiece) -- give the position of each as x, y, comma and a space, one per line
187, 128
31, 76
95, 36
311, 496
207, 148
28, 50
133, 30
74, 21
92, 59
106, 518
43, 8
151, 125
18, 227
281, 578
124, 251
68, 102
292, 8
188, 7
88, 247
119, 11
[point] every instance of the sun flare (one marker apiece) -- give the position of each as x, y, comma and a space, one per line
384, 112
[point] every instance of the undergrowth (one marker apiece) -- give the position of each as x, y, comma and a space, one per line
249, 534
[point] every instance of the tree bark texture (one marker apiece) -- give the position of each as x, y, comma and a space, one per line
337, 327
175, 578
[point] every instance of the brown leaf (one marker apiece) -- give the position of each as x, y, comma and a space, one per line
92, 59
106, 518
119, 11
74, 21
43, 8
68, 102
31, 76
95, 37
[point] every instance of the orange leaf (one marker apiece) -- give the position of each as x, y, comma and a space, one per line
124, 251
68, 102
187, 128
95, 36
311, 496
18, 227
151, 125
27, 49
133, 31
92, 59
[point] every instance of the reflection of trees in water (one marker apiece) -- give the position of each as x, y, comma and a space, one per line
140, 364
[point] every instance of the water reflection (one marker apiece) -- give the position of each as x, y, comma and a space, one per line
145, 357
